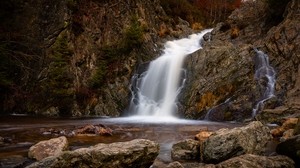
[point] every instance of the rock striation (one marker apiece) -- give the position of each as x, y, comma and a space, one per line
135, 153
52, 147
225, 143
221, 76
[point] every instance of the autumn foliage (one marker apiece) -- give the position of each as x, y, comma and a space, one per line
206, 12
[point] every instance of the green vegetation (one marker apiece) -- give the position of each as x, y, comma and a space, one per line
97, 79
57, 85
133, 36
112, 53
5, 78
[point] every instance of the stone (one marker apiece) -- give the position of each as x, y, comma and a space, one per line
286, 135
227, 143
185, 150
94, 130
198, 165
135, 153
255, 161
291, 148
287, 124
52, 147
203, 135
175, 164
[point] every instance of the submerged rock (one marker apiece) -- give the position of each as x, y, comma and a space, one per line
52, 147
185, 150
135, 153
94, 130
225, 143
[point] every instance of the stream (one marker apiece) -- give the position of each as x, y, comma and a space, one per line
25, 131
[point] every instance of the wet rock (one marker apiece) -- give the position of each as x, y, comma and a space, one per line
135, 153
203, 135
255, 161
185, 150
273, 115
56, 132
94, 129
15, 161
227, 143
286, 135
287, 124
52, 147
224, 68
175, 165
291, 148
198, 165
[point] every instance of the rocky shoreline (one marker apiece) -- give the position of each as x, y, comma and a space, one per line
238, 147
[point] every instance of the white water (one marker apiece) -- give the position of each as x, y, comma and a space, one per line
265, 76
158, 87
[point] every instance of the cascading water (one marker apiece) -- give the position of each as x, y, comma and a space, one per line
157, 88
265, 76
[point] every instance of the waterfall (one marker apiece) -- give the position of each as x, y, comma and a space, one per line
155, 90
265, 76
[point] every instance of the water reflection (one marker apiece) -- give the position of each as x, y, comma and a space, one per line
25, 131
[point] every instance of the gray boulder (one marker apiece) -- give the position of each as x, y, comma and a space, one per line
255, 161
52, 147
136, 153
186, 150
228, 143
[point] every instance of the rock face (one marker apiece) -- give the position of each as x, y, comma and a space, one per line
255, 161
135, 153
224, 143
52, 147
79, 56
221, 76
291, 148
185, 150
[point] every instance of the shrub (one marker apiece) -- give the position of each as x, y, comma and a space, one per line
98, 77
133, 36
57, 87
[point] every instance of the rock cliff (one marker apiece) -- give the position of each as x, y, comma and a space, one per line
76, 58
221, 76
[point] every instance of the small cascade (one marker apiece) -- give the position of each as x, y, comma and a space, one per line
154, 92
265, 77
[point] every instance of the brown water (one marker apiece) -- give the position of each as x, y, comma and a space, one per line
25, 131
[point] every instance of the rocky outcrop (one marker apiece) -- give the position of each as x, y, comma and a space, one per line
185, 150
224, 143
52, 147
135, 153
77, 57
221, 76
